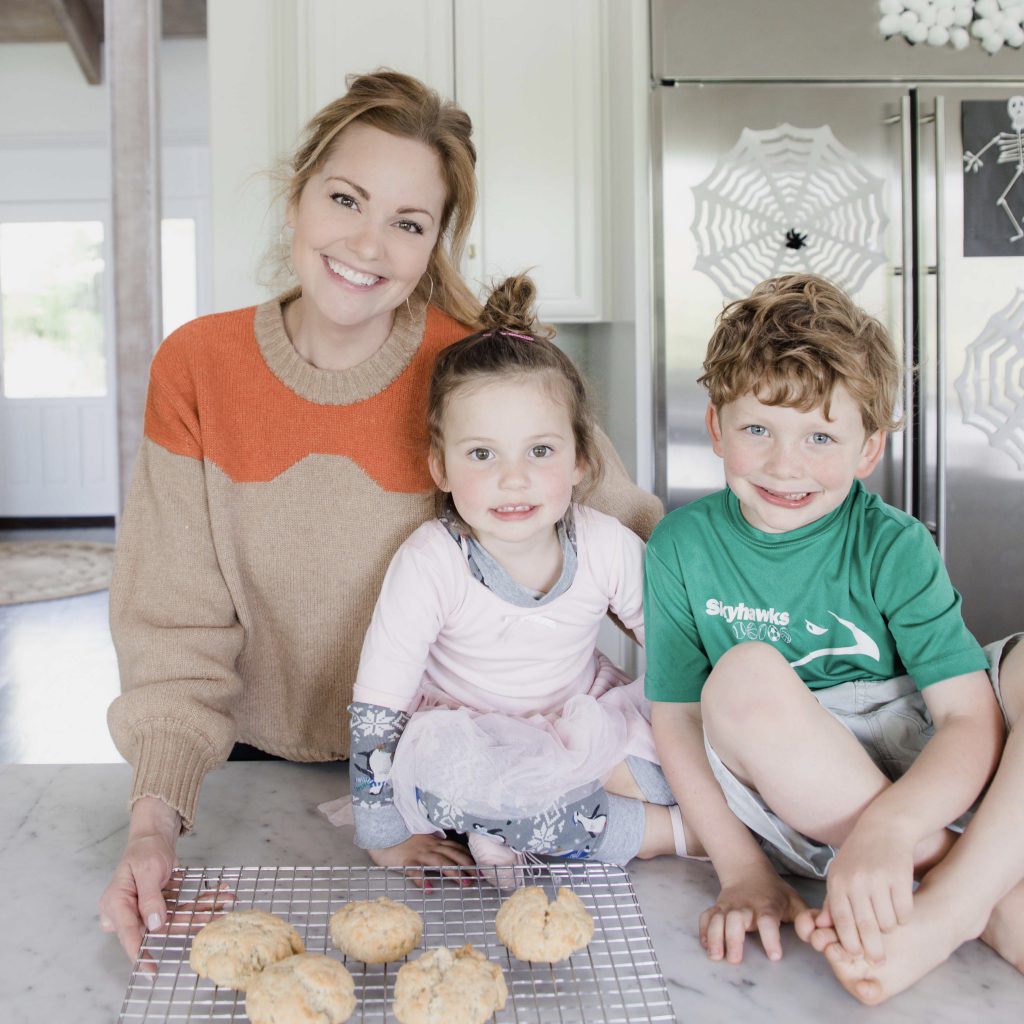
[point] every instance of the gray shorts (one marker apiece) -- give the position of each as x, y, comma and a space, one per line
890, 721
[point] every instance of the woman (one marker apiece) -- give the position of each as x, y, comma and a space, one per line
283, 462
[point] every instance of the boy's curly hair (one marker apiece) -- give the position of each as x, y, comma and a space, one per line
792, 340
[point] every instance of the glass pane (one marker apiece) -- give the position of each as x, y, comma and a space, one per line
51, 289
178, 272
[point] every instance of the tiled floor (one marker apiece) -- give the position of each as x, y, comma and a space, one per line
58, 673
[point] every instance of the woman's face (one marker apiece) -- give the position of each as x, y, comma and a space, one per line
365, 226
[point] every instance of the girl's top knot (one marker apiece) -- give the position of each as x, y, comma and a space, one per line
510, 310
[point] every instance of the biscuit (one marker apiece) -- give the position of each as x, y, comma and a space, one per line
449, 986
376, 931
532, 929
304, 989
232, 950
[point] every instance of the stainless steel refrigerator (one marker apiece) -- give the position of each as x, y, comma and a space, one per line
792, 136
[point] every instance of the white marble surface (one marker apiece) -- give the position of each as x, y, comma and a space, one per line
64, 826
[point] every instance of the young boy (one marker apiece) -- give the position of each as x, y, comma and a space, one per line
820, 707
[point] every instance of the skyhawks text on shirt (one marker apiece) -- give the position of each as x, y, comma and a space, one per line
751, 623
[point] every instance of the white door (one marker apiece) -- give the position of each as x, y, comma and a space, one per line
57, 409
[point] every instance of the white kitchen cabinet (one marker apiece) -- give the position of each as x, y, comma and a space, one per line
529, 74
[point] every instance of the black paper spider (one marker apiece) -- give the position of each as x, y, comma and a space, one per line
794, 240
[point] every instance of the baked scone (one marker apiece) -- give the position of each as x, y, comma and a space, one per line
533, 929
232, 950
376, 931
449, 986
304, 989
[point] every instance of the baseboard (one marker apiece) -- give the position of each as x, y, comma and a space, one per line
54, 522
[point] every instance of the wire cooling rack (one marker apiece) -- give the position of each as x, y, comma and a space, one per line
616, 978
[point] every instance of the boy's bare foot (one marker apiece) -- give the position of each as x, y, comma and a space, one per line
1005, 929
912, 950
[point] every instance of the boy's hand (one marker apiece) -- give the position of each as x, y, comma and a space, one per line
870, 889
761, 902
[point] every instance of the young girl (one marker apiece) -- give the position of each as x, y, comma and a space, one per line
482, 704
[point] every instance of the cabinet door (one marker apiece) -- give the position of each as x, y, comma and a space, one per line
529, 75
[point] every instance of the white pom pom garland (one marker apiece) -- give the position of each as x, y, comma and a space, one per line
993, 23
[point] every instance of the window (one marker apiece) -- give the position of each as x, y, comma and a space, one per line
52, 334
51, 299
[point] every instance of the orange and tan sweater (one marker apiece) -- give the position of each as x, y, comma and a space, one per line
267, 501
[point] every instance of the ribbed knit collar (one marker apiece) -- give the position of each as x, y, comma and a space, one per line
337, 387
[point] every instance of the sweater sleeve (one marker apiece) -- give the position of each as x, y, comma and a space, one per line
618, 496
172, 618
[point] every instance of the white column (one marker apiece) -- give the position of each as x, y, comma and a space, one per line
132, 47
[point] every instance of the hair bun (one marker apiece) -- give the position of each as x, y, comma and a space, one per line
510, 306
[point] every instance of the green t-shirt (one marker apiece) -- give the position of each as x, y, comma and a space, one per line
861, 594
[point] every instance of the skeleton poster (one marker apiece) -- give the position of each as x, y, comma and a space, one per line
993, 143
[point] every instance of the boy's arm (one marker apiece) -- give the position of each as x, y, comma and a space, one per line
753, 897
870, 882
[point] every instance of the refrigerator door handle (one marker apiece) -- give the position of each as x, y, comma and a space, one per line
940, 326
907, 171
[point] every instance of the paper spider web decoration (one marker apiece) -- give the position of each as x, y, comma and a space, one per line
788, 200
991, 384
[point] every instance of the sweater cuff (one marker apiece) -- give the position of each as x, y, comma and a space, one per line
171, 766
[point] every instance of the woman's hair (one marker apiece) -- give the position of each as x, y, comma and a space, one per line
792, 340
513, 345
403, 106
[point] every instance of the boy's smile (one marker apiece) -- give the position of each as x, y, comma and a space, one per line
790, 468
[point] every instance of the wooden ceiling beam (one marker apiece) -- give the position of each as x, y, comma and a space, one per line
83, 36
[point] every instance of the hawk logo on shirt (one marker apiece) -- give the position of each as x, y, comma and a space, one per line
863, 644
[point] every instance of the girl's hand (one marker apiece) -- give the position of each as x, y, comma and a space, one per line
134, 898
428, 851
870, 890
761, 902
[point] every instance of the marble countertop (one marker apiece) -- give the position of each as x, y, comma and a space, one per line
64, 828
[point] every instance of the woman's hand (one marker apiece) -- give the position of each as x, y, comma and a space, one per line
761, 902
428, 851
133, 901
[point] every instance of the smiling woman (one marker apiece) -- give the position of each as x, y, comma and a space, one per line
283, 463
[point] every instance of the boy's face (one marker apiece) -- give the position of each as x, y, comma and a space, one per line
789, 468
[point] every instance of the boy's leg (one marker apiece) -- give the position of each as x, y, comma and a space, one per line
977, 890
775, 737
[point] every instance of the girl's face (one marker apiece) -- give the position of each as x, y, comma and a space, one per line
509, 461
365, 226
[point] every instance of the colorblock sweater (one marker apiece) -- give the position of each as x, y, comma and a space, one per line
267, 501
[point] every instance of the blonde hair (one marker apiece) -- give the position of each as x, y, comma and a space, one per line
511, 344
792, 340
403, 106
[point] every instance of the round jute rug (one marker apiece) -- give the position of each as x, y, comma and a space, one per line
48, 569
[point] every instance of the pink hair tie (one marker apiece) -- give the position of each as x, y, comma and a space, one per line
512, 334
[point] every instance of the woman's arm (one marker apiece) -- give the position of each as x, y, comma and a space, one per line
176, 633
618, 496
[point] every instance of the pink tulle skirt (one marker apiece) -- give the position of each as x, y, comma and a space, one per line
494, 765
